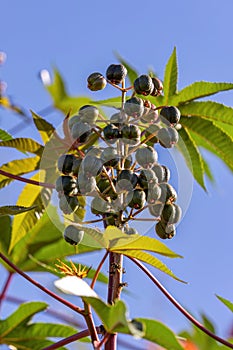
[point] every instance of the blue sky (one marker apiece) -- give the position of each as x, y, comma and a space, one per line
80, 37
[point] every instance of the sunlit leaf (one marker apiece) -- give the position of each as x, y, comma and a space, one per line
22, 315
45, 129
5, 233
170, 77
226, 302
18, 167
24, 144
57, 89
33, 196
199, 89
14, 209
4, 135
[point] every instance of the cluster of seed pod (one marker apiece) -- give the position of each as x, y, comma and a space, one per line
122, 174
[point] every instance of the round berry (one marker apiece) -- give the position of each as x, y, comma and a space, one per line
86, 185
134, 107
110, 156
99, 206
147, 178
162, 172
136, 199
96, 82
91, 166
130, 230
116, 73
66, 184
170, 115
118, 119
158, 86
146, 156
73, 235
126, 180
131, 134
151, 132
76, 166
168, 193
65, 163
68, 204
73, 120
81, 131
153, 194
171, 213
165, 231
143, 85
111, 133
168, 137
156, 209
88, 114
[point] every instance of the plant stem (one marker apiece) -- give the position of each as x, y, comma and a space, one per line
23, 179
38, 285
90, 323
103, 341
178, 306
98, 269
6, 286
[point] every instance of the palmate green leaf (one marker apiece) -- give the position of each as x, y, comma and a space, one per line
149, 259
24, 144
57, 89
14, 209
45, 129
207, 134
170, 77
199, 89
5, 233
193, 158
22, 315
226, 302
114, 102
4, 135
18, 167
132, 73
158, 333
210, 110
120, 240
33, 196
227, 128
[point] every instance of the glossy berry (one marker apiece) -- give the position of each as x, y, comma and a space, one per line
150, 115
111, 133
110, 156
143, 85
96, 82
131, 134
170, 114
99, 206
76, 166
171, 214
168, 193
136, 199
81, 131
162, 172
158, 86
68, 204
116, 73
151, 133
147, 178
168, 137
86, 185
156, 209
73, 235
66, 184
73, 120
146, 156
153, 194
91, 166
88, 114
134, 107
65, 163
117, 119
126, 180
165, 231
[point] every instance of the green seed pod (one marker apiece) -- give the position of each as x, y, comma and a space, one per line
153, 194
130, 230
73, 235
110, 156
118, 119
96, 82
156, 209
66, 184
165, 231
143, 85
86, 185
168, 193
81, 132
134, 107
158, 86
91, 166
146, 156
73, 120
152, 131
99, 206
116, 73
88, 114
137, 199
68, 204
126, 180
161, 172
76, 166
168, 137
171, 214
147, 178
111, 133
65, 163
170, 115
131, 134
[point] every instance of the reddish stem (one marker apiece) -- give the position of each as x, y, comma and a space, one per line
38, 285
6, 286
68, 340
98, 269
178, 306
29, 181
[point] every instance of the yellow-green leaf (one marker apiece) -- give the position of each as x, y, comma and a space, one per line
14, 209
24, 144
45, 129
170, 77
